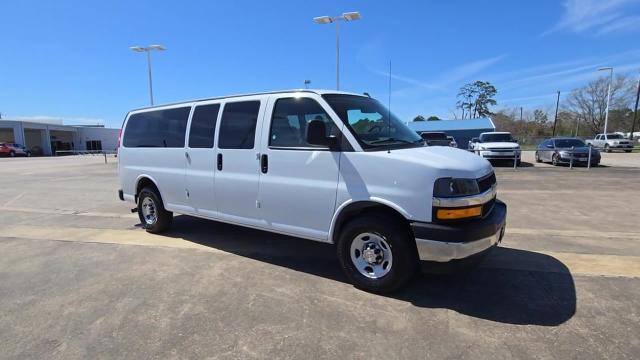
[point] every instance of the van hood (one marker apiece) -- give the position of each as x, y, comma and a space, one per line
499, 145
453, 162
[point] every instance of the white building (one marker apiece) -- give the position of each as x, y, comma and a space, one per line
45, 138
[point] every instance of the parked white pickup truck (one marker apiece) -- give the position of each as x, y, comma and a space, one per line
610, 142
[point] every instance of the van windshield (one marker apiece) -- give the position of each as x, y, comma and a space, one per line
371, 123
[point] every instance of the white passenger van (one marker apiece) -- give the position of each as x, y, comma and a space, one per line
322, 165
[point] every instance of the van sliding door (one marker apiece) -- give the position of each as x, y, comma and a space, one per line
237, 165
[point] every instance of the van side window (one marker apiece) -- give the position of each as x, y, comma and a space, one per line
290, 118
203, 126
238, 125
160, 128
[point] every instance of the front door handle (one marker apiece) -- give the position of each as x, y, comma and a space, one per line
186, 155
219, 161
264, 163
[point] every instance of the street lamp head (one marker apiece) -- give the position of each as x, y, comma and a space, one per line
605, 68
351, 16
137, 48
323, 20
156, 47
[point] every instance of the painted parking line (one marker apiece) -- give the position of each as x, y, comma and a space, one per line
104, 236
124, 215
575, 233
578, 264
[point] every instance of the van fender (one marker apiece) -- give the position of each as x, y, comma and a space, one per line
364, 202
150, 178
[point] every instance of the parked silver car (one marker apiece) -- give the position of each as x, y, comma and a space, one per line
563, 150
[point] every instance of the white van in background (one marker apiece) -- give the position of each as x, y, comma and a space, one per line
328, 166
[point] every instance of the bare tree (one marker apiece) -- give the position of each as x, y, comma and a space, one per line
590, 102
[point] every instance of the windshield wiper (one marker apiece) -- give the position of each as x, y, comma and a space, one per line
392, 139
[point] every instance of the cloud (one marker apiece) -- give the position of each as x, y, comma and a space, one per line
469, 69
628, 23
450, 77
602, 16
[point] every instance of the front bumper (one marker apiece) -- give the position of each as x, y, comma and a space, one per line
443, 242
500, 154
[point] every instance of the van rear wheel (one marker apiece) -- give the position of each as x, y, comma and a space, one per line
153, 216
377, 254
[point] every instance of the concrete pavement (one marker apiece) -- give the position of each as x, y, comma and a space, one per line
80, 279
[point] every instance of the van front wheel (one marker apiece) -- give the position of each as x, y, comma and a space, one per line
154, 218
377, 254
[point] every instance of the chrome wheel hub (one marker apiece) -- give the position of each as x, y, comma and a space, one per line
371, 255
148, 208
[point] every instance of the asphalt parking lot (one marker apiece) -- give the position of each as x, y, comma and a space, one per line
80, 279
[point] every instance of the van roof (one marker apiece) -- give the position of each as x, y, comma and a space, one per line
314, 91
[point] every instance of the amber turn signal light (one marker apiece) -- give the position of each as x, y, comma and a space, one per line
452, 214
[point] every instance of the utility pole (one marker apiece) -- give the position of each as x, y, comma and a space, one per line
520, 113
555, 119
635, 114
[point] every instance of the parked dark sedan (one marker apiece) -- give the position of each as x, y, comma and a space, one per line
563, 150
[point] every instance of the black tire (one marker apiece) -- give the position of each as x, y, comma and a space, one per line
606, 148
555, 159
28, 153
538, 160
628, 151
12, 153
518, 162
163, 218
402, 246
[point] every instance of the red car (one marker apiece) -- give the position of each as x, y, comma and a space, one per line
13, 150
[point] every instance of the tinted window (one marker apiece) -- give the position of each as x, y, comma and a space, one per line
160, 128
496, 137
290, 119
433, 136
567, 143
238, 125
203, 126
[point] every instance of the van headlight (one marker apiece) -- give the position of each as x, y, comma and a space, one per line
451, 187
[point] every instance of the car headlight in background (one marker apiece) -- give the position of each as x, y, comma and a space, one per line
450, 187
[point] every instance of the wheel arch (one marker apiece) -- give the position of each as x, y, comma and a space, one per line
349, 210
146, 181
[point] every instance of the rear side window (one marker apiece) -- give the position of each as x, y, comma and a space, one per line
238, 125
290, 119
203, 126
160, 128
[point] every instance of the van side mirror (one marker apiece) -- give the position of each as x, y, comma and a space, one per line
317, 133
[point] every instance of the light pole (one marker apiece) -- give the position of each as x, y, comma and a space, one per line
148, 49
606, 115
348, 16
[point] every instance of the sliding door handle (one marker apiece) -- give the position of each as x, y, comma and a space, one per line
264, 163
219, 161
